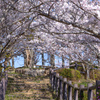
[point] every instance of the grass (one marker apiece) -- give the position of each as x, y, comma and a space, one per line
83, 83
9, 97
15, 91
14, 97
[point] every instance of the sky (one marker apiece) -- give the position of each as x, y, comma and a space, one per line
19, 61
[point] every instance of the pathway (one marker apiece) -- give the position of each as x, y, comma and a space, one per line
23, 87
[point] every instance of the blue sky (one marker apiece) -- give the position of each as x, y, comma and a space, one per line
19, 61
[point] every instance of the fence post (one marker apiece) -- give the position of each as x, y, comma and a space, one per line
90, 92
65, 89
1, 91
81, 92
69, 91
61, 87
57, 83
97, 90
4, 87
54, 80
75, 92
6, 80
50, 74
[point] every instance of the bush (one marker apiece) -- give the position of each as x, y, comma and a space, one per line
95, 74
70, 74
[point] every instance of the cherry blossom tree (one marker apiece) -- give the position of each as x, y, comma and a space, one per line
47, 25
67, 28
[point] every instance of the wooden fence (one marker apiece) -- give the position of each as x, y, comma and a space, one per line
3, 85
66, 91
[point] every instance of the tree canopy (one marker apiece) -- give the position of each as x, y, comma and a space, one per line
62, 27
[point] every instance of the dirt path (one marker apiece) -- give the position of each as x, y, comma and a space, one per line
23, 87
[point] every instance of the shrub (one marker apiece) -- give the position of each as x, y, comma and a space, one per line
95, 74
69, 74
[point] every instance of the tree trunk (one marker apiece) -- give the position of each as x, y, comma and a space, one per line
88, 75
13, 62
13, 58
5, 63
83, 67
63, 64
2, 89
75, 66
52, 60
25, 60
42, 59
31, 59
28, 57
9, 64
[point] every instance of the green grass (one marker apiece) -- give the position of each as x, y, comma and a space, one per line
83, 83
9, 97
14, 97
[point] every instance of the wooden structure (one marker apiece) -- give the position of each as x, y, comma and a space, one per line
66, 91
3, 85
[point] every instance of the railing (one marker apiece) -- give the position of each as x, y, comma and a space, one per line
3, 85
64, 88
